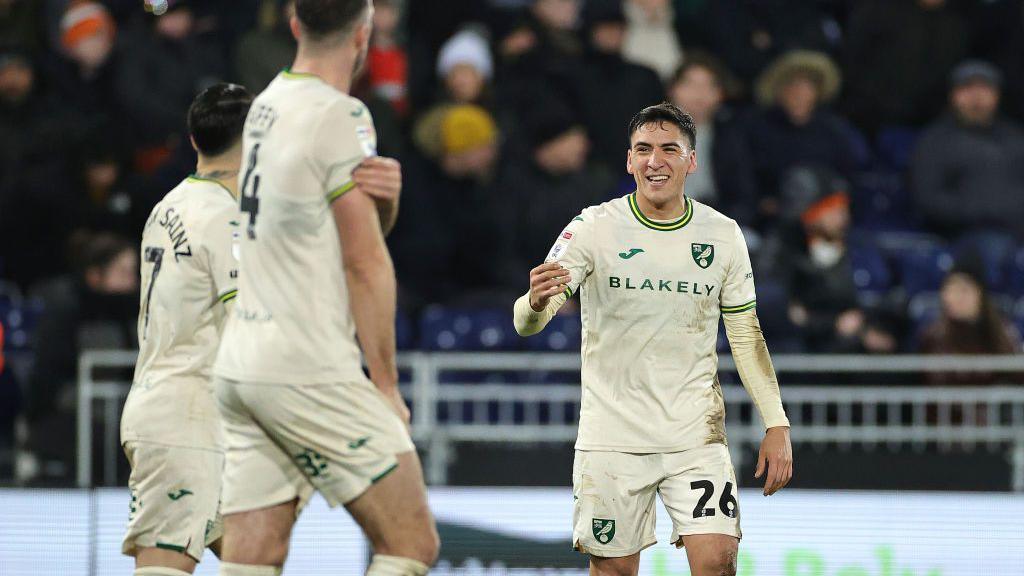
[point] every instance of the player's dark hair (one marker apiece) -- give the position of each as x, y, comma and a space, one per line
216, 117
664, 112
324, 17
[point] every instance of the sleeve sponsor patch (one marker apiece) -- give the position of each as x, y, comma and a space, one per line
367, 140
560, 247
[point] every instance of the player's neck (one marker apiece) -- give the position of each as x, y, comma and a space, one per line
672, 209
332, 66
222, 169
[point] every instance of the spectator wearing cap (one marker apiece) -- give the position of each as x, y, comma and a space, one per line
794, 125
651, 38
897, 58
967, 173
969, 323
557, 181
809, 252
81, 70
462, 208
466, 67
701, 87
610, 90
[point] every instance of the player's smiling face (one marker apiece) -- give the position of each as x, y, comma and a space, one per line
660, 157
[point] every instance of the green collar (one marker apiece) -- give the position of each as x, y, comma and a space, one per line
194, 178
287, 73
662, 226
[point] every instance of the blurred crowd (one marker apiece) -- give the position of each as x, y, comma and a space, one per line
870, 149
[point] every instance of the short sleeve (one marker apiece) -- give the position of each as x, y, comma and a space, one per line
220, 240
571, 250
344, 138
738, 288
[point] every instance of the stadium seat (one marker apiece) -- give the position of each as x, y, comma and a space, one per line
404, 336
1015, 274
922, 269
870, 270
452, 329
895, 146
19, 324
880, 201
994, 252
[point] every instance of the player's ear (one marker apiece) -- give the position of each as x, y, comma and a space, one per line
193, 142
693, 162
295, 26
629, 161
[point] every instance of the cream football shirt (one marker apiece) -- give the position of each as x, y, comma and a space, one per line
652, 294
292, 323
188, 274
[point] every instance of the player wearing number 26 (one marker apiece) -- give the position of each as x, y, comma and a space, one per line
170, 428
316, 297
656, 271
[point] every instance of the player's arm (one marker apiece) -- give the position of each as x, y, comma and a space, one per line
754, 365
370, 277
553, 282
548, 291
381, 178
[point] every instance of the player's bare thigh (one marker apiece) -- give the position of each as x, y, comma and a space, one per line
711, 554
149, 556
623, 566
259, 536
394, 514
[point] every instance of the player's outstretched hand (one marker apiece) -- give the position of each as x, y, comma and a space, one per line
380, 177
777, 453
546, 280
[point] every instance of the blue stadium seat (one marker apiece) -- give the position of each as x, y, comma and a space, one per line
870, 270
880, 201
922, 269
19, 322
994, 252
451, 329
1015, 274
896, 145
562, 334
404, 337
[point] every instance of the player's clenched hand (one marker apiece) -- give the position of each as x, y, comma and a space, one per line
777, 453
379, 177
546, 280
394, 397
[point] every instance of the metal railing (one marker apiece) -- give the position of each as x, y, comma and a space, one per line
536, 409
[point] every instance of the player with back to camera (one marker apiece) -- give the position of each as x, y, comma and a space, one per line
657, 270
170, 428
299, 413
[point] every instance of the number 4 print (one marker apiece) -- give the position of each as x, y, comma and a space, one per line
726, 503
250, 203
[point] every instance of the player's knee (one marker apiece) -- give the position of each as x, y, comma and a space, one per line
232, 569
722, 564
624, 566
423, 547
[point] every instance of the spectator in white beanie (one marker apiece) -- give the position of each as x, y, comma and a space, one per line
465, 65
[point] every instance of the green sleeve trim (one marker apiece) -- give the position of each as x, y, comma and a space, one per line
741, 308
381, 476
568, 293
580, 218
170, 547
229, 295
340, 191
